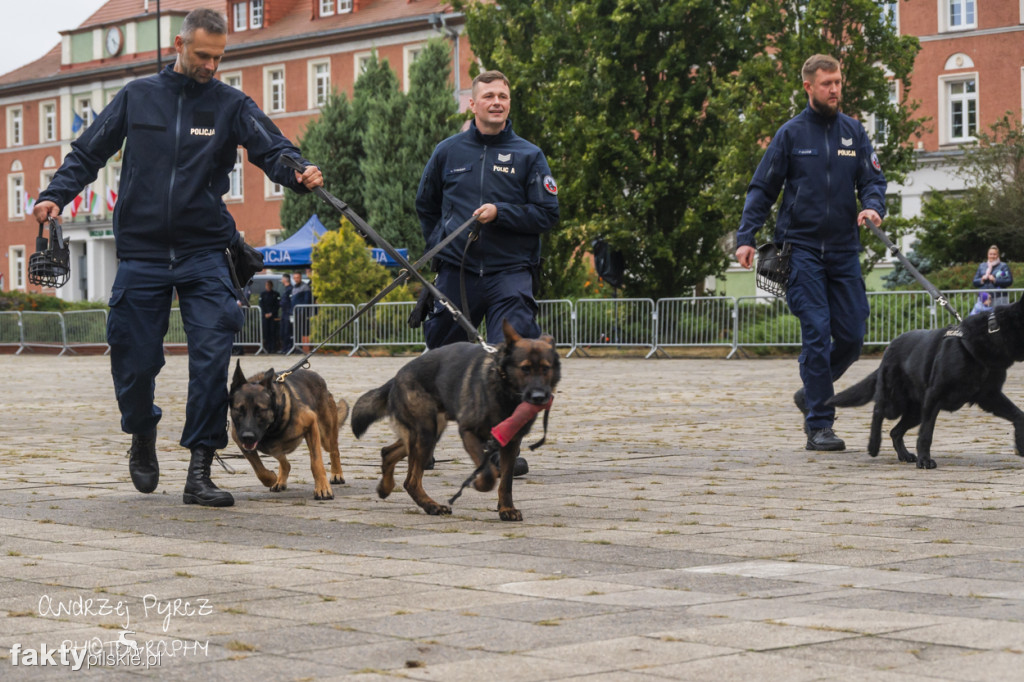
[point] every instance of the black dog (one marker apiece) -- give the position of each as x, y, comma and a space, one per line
463, 383
925, 371
274, 417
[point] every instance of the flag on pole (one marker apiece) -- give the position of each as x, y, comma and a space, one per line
75, 205
76, 122
88, 196
111, 199
29, 204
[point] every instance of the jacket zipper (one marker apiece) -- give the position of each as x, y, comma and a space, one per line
174, 169
828, 182
483, 158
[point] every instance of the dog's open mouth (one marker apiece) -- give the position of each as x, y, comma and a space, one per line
250, 444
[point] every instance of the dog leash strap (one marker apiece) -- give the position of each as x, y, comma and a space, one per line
365, 228
403, 276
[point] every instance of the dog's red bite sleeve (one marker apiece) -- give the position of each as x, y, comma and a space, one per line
507, 430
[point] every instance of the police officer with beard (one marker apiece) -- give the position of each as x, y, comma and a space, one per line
181, 129
823, 162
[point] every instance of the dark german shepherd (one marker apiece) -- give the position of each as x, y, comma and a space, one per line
462, 383
925, 371
273, 417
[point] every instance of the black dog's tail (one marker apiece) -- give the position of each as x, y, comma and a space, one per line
370, 407
861, 393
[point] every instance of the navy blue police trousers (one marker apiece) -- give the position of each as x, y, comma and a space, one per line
826, 293
501, 295
140, 306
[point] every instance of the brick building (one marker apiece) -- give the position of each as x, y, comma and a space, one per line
286, 54
968, 74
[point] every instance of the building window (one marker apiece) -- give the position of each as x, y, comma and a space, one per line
272, 190
320, 83
240, 13
962, 97
960, 14
45, 178
880, 124
410, 53
256, 14
361, 60
16, 195
16, 257
274, 95
14, 127
344, 6
235, 176
48, 122
233, 79
326, 8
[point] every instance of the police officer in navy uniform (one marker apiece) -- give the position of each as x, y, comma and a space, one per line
489, 172
286, 314
181, 129
823, 162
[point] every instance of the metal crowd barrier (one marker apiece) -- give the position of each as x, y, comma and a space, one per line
10, 329
42, 330
746, 322
619, 322
86, 328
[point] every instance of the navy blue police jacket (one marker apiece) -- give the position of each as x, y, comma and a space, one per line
826, 163
180, 140
470, 169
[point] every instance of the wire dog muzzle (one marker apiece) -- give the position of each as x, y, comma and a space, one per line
773, 268
50, 265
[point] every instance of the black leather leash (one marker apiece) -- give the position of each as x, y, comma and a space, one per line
368, 231
403, 276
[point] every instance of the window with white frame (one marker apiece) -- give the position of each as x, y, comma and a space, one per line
361, 60
45, 178
274, 93
240, 15
256, 14
961, 109
85, 111
344, 6
273, 237
319, 83
326, 8
272, 190
409, 54
235, 178
233, 79
16, 257
48, 122
879, 123
959, 15
16, 195
15, 127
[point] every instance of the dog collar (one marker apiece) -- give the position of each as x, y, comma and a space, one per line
993, 323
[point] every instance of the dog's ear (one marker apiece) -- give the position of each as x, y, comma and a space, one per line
548, 339
267, 380
239, 377
511, 335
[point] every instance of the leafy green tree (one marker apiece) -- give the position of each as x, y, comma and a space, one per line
766, 90
334, 143
344, 271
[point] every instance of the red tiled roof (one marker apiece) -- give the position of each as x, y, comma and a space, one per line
297, 23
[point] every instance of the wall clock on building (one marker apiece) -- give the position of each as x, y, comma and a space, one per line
113, 41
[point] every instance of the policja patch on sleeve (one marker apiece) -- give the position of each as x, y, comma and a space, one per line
550, 186
874, 162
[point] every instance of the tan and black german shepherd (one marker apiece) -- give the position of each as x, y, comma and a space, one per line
462, 383
274, 417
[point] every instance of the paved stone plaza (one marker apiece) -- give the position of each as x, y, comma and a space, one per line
674, 529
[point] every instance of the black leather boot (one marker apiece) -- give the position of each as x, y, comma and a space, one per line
142, 464
199, 489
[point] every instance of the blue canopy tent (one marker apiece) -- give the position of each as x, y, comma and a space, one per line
296, 250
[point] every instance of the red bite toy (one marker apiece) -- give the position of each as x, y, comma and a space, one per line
507, 430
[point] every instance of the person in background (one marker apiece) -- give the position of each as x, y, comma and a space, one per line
994, 274
286, 315
983, 304
270, 309
301, 295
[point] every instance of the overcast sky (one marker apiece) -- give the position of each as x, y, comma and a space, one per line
29, 28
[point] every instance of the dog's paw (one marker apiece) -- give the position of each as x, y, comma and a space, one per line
485, 481
278, 487
337, 480
926, 463
326, 495
438, 509
382, 490
510, 514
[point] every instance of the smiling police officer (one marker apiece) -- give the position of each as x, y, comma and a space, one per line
489, 172
181, 129
825, 161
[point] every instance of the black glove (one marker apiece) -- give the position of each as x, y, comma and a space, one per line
424, 304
